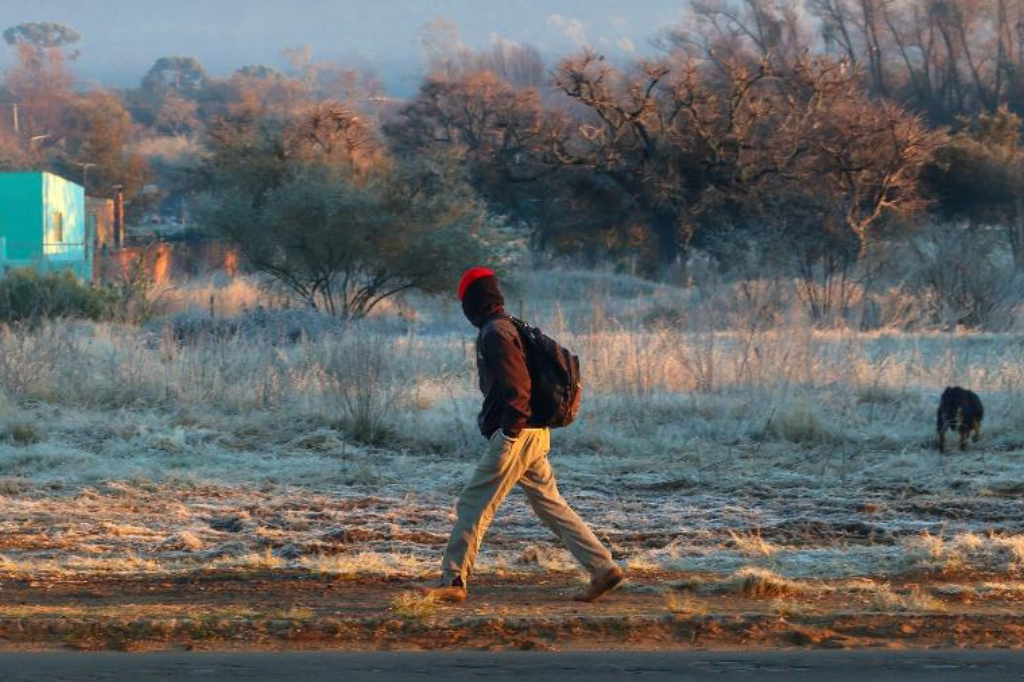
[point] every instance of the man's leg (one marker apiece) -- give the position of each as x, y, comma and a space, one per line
548, 504
501, 466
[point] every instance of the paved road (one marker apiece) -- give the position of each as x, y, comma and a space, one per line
791, 666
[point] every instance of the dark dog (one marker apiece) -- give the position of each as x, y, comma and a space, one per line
960, 410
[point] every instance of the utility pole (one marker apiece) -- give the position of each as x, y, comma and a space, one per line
14, 110
85, 170
118, 216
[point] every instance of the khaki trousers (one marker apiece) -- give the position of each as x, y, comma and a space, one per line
503, 465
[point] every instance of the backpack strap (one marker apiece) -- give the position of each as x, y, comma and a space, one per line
523, 329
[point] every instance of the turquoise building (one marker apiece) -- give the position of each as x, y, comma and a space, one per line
44, 225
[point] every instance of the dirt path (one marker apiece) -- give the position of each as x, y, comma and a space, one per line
654, 611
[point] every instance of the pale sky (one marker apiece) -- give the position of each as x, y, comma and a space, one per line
122, 38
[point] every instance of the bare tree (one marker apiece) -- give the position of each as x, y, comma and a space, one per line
858, 30
677, 139
867, 156
332, 133
447, 57
500, 131
733, 31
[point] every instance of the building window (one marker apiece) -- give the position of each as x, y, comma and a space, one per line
58, 227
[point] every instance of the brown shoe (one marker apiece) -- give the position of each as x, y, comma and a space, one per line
605, 582
448, 594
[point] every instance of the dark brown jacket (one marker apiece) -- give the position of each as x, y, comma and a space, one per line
500, 361
504, 378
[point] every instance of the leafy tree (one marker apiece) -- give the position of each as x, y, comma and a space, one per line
977, 176
12, 154
177, 115
98, 146
260, 91
39, 81
177, 77
259, 71
305, 207
41, 35
184, 75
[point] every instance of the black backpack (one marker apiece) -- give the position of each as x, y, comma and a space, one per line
555, 377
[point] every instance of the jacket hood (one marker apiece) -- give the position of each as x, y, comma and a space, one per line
483, 300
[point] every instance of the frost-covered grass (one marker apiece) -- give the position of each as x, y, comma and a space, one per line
715, 436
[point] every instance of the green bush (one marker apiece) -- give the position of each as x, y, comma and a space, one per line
26, 294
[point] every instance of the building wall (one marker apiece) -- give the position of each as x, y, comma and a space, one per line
66, 242
100, 213
21, 217
43, 224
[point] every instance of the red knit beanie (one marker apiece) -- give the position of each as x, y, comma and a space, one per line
472, 275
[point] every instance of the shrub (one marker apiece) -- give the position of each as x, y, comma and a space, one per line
413, 605
27, 295
967, 278
912, 600
274, 326
360, 387
798, 422
760, 583
19, 432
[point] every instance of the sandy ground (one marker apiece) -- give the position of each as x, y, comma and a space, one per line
299, 611
715, 561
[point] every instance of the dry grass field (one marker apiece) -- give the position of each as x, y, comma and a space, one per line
727, 446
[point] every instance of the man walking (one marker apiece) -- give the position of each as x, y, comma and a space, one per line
517, 452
